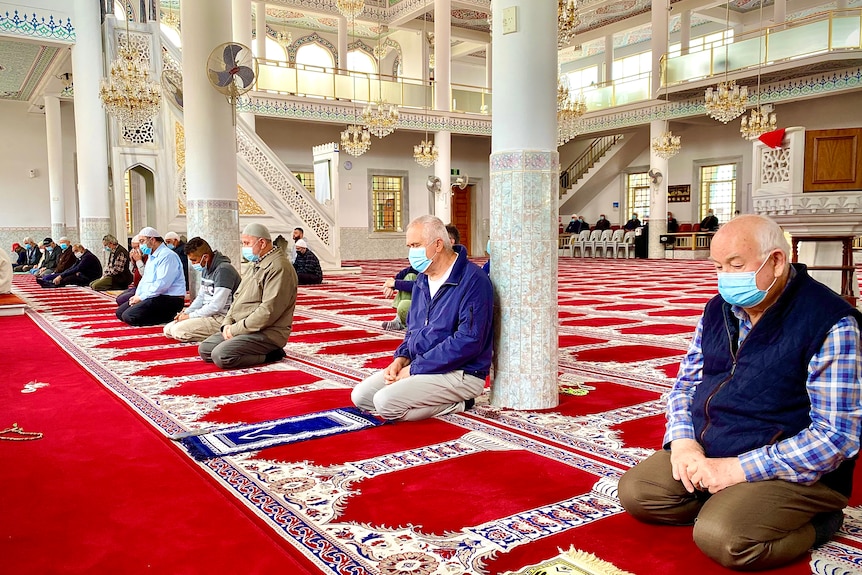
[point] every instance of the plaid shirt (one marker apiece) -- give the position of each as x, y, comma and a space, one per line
835, 392
118, 262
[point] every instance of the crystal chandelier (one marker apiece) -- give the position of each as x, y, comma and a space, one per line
128, 94
355, 140
569, 113
567, 21
283, 37
726, 101
350, 8
425, 153
380, 118
171, 19
667, 145
758, 123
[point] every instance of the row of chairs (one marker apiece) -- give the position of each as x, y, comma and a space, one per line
611, 243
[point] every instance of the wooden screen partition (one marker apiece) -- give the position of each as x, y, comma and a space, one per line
833, 160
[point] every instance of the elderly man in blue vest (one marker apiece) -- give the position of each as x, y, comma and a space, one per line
764, 420
441, 365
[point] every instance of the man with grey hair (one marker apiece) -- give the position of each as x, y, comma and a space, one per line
117, 275
32, 257
764, 420
258, 323
441, 365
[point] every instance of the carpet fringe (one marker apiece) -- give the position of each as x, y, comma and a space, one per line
593, 563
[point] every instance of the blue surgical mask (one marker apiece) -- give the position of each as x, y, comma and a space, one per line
107, 248
146, 250
27, 246
63, 246
198, 268
248, 254
418, 259
740, 288
488, 248
50, 249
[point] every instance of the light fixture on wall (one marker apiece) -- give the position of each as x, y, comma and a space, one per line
128, 94
727, 100
667, 144
567, 21
426, 152
761, 119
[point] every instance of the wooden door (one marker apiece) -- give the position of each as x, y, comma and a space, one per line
462, 213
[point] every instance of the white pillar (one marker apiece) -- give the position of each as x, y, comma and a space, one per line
442, 56
609, 58
779, 11
488, 64
211, 181
685, 30
260, 29
91, 140
342, 43
658, 195
241, 27
443, 169
54, 129
659, 41
524, 186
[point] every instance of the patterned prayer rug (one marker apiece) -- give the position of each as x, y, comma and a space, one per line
572, 562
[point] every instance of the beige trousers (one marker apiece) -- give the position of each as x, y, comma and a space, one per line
750, 526
194, 328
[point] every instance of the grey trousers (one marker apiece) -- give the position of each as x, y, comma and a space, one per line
239, 351
418, 396
750, 526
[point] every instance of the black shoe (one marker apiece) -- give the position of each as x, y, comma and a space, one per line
826, 525
275, 355
468, 404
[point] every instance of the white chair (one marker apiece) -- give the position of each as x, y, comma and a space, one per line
616, 243
579, 242
604, 242
592, 243
628, 245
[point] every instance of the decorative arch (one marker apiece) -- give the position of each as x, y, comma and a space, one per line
363, 47
313, 38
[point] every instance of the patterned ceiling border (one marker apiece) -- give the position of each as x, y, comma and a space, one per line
34, 26
41, 63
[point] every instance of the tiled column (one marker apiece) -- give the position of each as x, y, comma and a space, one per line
94, 210
53, 125
212, 208
524, 176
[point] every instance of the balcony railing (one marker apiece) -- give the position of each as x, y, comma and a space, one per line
833, 31
277, 76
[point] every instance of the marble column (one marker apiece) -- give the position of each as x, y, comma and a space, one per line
54, 129
685, 30
779, 11
211, 165
658, 196
443, 102
241, 32
609, 58
342, 43
259, 47
91, 139
524, 179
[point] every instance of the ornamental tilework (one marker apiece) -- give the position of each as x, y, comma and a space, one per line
36, 26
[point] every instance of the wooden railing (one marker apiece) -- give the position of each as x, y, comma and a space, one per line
598, 148
687, 241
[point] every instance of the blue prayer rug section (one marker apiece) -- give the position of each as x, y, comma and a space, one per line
255, 436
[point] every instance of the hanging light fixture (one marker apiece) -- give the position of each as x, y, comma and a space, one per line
667, 144
567, 21
355, 139
380, 117
350, 8
283, 36
128, 94
727, 100
761, 119
426, 152
171, 19
569, 112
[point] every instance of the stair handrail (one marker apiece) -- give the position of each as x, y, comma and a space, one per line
587, 160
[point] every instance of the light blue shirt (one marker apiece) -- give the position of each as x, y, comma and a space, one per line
163, 275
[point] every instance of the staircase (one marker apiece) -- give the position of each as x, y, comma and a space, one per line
272, 185
596, 168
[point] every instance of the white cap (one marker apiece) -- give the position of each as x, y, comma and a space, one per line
148, 232
172, 236
301, 243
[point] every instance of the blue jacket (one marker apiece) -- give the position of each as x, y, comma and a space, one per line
88, 267
755, 394
452, 331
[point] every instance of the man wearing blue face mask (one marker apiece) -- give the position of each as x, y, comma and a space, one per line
764, 420
441, 365
162, 290
258, 323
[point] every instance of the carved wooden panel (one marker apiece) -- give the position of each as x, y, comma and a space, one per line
833, 160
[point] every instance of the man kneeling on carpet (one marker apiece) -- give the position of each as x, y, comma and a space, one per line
764, 420
85, 268
162, 290
446, 354
219, 281
260, 318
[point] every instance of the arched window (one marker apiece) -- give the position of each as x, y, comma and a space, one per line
359, 61
314, 55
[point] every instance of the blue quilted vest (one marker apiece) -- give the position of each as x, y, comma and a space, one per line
754, 395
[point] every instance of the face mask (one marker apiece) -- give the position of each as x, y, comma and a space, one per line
740, 288
146, 250
488, 247
64, 246
78, 255
198, 268
107, 248
50, 249
418, 259
248, 254
27, 246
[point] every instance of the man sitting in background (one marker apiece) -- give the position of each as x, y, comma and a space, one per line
162, 291
219, 280
87, 267
672, 224
260, 318
32, 257
50, 260
307, 265
603, 223
137, 264
117, 275
178, 246
709, 223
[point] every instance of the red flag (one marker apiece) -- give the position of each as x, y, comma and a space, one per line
773, 139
